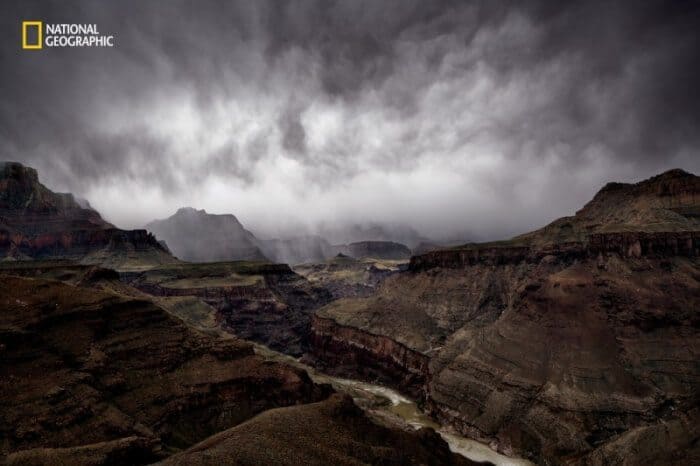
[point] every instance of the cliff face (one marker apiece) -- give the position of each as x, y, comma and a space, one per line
347, 351
22, 195
36, 223
575, 344
626, 244
583, 354
88, 374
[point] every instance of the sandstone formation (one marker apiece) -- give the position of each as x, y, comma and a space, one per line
36, 223
91, 377
197, 236
574, 344
331, 432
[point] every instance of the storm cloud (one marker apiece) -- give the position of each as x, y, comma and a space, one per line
487, 117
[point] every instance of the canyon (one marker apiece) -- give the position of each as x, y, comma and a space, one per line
574, 344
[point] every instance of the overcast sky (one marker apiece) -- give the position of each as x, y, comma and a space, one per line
486, 117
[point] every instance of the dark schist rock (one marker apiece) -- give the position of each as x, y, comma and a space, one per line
37, 223
574, 344
89, 374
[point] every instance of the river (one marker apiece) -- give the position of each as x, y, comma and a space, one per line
377, 399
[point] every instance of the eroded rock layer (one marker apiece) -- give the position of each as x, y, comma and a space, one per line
347, 351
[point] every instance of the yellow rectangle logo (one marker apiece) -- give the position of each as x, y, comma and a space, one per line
39, 35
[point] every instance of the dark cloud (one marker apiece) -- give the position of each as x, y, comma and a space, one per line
492, 116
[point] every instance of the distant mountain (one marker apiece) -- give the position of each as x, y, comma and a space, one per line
315, 249
376, 250
372, 232
37, 223
197, 236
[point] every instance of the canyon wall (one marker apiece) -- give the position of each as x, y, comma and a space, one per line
76, 244
626, 244
574, 358
348, 352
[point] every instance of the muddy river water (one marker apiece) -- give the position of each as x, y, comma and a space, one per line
390, 403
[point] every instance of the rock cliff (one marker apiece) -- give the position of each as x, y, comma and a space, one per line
36, 223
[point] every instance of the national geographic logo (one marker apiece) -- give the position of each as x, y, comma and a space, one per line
36, 35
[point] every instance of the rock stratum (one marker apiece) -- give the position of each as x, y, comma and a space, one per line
574, 344
37, 223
